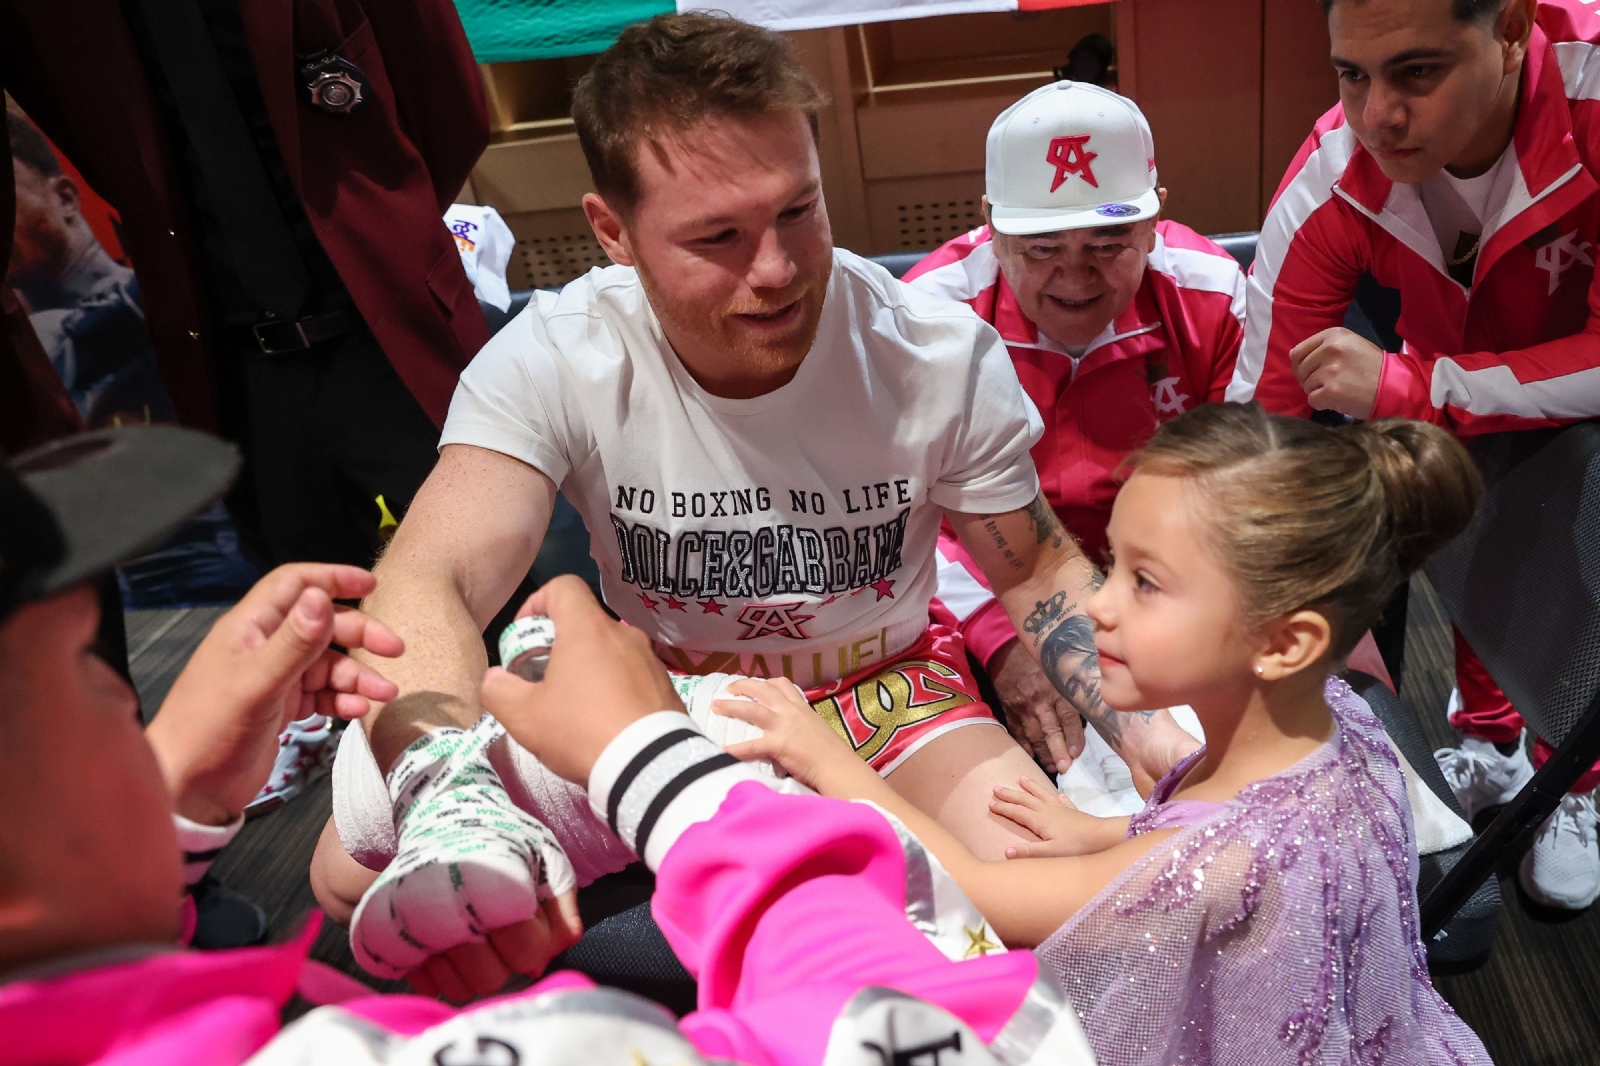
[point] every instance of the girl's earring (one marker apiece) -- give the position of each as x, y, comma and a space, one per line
1259, 669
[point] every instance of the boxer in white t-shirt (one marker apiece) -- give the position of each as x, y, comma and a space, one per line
763, 434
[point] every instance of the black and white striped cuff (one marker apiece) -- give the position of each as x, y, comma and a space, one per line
202, 844
657, 778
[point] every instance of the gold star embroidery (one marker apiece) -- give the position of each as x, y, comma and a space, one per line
979, 942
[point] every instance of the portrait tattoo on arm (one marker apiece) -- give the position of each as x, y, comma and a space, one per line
1071, 663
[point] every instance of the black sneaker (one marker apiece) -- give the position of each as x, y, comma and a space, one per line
224, 919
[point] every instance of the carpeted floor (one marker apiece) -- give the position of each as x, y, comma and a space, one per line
1536, 1002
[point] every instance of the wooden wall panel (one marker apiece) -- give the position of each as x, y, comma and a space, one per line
826, 54
534, 175
919, 214
1231, 88
911, 136
1298, 85
1197, 77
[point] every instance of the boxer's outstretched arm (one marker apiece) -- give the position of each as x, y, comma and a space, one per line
470, 536
1044, 582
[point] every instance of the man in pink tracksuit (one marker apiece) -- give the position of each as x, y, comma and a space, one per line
1459, 168
828, 942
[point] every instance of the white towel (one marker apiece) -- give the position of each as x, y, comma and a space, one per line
485, 243
1098, 782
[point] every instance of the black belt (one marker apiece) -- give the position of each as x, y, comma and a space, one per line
277, 337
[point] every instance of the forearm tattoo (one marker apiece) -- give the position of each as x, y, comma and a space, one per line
1044, 613
1073, 667
1044, 523
993, 529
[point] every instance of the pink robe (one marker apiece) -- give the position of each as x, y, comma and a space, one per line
781, 928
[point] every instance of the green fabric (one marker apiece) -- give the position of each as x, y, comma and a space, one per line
503, 31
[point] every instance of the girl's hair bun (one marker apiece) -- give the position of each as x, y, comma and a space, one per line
1429, 483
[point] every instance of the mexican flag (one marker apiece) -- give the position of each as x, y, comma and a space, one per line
815, 14
504, 31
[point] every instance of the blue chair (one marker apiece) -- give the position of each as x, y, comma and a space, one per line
898, 263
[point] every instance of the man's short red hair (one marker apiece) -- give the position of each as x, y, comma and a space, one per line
673, 72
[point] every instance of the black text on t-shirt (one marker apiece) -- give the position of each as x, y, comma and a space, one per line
748, 562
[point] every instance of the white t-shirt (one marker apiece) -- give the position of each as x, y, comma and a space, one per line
1466, 205
792, 533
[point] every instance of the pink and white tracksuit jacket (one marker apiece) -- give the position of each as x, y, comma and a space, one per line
1521, 347
1170, 351
811, 924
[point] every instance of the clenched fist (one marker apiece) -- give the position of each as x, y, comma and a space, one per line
1339, 371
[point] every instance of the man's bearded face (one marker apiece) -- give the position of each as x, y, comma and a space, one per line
730, 236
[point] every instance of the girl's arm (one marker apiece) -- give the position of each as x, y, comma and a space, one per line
1025, 900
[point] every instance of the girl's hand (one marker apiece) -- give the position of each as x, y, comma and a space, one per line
793, 735
1062, 829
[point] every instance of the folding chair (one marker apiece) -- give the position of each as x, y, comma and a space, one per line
1465, 941
1523, 585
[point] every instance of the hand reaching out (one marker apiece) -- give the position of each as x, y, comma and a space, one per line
603, 677
793, 735
1062, 829
265, 663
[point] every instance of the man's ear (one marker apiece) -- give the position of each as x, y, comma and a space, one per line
1293, 643
609, 229
1514, 28
987, 220
1149, 224
66, 192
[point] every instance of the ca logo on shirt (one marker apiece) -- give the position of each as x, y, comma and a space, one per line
1167, 399
1561, 255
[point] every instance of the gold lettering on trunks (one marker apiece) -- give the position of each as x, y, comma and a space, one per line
869, 714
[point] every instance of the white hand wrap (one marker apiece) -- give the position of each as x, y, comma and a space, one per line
469, 861
698, 693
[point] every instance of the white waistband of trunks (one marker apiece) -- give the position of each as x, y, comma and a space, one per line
809, 666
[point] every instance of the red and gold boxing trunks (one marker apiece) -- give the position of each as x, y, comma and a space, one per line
887, 711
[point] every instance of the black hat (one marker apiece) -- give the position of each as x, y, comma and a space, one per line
77, 507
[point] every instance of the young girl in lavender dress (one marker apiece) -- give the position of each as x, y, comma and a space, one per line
1263, 907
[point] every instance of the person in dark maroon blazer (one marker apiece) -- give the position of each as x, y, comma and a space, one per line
304, 294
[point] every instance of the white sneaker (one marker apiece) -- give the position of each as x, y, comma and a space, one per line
305, 753
1480, 776
1562, 869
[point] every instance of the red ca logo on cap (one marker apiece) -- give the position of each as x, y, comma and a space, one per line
1068, 156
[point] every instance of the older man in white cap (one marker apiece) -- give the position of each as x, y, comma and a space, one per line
1116, 320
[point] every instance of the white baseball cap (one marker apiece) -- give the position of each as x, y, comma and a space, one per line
1069, 156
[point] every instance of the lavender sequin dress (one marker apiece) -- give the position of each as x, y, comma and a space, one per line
1279, 927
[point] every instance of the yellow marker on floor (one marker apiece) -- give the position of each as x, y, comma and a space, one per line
386, 521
